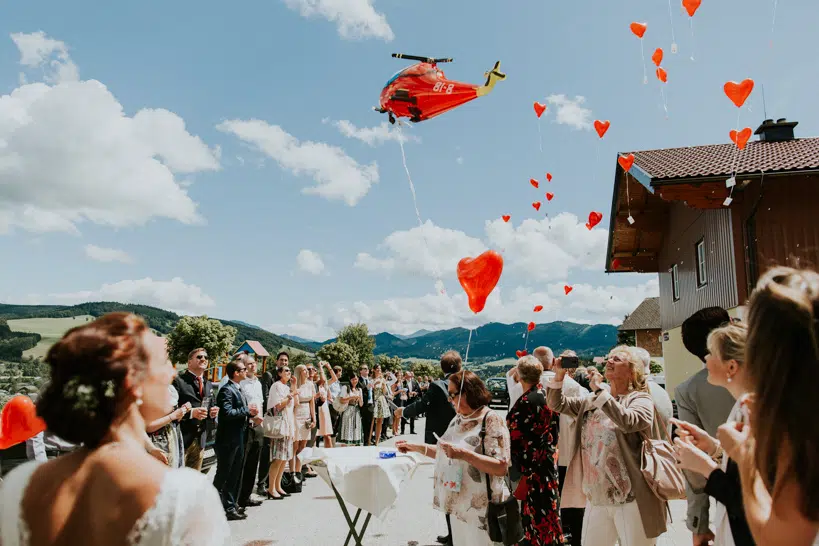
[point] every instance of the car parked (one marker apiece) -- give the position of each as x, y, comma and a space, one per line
500, 393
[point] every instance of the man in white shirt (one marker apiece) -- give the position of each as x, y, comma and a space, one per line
251, 389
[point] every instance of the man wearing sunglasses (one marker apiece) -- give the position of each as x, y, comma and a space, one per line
194, 388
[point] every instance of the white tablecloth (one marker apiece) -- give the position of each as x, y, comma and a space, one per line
362, 478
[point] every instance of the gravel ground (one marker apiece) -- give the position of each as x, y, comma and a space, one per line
313, 518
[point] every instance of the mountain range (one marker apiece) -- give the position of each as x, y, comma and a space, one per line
490, 342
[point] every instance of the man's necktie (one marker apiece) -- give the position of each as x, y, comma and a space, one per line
199, 385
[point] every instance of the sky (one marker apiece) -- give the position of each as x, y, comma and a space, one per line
224, 159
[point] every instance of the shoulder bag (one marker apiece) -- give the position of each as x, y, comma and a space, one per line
502, 518
659, 466
275, 424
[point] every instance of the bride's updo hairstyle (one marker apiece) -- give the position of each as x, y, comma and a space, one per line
88, 369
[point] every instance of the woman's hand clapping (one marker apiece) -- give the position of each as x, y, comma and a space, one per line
696, 436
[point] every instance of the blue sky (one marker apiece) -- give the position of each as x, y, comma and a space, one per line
232, 165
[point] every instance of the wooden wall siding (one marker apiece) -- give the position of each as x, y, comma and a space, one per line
686, 227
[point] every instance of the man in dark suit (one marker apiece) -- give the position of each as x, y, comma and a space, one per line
439, 411
704, 405
366, 385
413, 392
268, 378
230, 438
194, 388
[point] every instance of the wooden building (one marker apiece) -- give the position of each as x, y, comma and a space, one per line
646, 324
710, 219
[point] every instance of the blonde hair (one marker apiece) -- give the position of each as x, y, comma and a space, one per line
635, 364
728, 342
529, 370
299, 369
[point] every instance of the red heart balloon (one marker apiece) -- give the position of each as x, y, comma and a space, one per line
740, 138
658, 56
530, 326
520, 354
506, 217
594, 219
639, 29
549, 177
626, 161
479, 276
601, 127
19, 421
691, 6
538, 308
536, 204
534, 182
539, 108
738, 92
662, 75
567, 289
549, 196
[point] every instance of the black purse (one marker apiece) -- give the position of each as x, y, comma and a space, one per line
503, 521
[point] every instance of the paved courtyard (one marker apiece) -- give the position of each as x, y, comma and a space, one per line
313, 518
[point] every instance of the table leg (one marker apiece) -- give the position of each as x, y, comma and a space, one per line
351, 523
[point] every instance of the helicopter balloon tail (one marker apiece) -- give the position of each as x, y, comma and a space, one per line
492, 77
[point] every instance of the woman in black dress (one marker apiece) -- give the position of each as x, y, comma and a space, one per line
533, 430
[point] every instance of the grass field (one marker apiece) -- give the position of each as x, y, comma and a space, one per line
51, 329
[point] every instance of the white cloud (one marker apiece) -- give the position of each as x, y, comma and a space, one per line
354, 19
310, 262
69, 154
427, 250
336, 175
101, 254
174, 295
586, 304
373, 136
571, 111
542, 250
37, 49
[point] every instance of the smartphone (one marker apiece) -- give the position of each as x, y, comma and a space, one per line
569, 362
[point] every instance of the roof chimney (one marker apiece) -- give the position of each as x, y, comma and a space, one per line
779, 131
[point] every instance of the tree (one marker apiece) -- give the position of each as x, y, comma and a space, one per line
626, 337
426, 368
357, 336
192, 332
389, 363
298, 358
655, 367
339, 353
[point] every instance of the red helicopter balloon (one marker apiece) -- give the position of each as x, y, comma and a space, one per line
421, 91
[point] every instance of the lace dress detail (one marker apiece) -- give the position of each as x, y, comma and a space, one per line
187, 512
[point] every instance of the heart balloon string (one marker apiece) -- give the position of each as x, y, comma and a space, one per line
539, 136
733, 177
439, 283
466, 361
671, 22
665, 103
643, 57
773, 22
693, 42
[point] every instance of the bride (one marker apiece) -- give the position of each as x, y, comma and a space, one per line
108, 378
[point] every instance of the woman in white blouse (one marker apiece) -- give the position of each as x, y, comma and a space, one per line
281, 399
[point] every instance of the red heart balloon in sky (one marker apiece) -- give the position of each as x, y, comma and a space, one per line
520, 354
479, 276
534, 182
738, 92
19, 421
530, 327
601, 127
538, 308
506, 217
740, 138
539, 108
691, 6
567, 289
536, 204
639, 29
549, 196
658, 56
549, 177
594, 219
662, 75
626, 161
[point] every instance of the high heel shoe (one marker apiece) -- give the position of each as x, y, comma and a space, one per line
271, 496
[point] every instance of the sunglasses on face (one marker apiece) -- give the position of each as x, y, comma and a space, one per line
201, 357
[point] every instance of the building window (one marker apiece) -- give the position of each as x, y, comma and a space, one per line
702, 277
675, 283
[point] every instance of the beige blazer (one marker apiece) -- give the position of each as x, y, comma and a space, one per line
632, 414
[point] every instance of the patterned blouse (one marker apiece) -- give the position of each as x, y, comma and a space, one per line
605, 478
460, 489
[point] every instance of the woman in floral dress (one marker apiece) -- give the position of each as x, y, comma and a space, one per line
381, 407
351, 432
533, 435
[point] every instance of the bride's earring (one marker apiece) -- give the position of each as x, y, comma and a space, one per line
139, 400
729, 379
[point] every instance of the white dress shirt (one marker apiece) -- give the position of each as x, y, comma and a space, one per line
252, 389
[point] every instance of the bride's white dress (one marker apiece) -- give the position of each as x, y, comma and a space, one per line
187, 512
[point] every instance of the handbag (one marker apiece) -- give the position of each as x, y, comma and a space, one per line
503, 521
275, 425
659, 468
